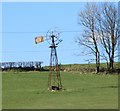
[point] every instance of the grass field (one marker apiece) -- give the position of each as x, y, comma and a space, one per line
28, 90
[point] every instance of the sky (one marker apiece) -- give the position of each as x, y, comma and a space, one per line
23, 21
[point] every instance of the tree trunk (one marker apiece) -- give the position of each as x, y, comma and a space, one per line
111, 63
97, 62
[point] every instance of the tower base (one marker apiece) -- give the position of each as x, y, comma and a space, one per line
54, 88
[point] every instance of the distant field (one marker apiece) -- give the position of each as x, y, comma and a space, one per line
85, 68
28, 90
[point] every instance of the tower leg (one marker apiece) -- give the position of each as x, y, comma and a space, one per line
54, 79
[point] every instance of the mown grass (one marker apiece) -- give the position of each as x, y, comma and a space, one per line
28, 90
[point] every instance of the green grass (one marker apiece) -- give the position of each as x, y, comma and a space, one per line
28, 90
0, 91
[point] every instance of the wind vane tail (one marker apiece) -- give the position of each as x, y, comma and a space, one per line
39, 39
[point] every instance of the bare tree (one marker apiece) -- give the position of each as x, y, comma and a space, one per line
89, 39
108, 31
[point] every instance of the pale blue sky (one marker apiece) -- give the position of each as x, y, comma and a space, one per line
36, 18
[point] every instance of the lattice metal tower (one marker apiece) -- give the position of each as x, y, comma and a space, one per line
54, 79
